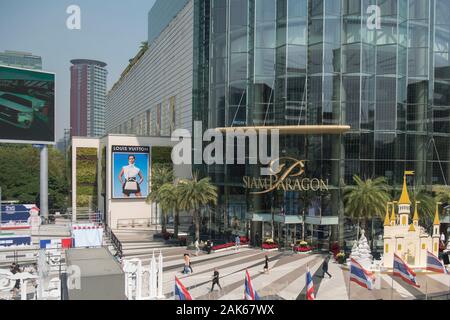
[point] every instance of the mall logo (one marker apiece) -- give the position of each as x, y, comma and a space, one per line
226, 146
286, 174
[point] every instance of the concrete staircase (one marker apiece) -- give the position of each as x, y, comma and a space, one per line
137, 243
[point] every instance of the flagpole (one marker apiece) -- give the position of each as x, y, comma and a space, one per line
426, 289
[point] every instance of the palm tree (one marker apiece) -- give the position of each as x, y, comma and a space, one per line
427, 207
366, 199
442, 194
195, 194
170, 198
161, 175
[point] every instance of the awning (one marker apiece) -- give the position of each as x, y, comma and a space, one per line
322, 221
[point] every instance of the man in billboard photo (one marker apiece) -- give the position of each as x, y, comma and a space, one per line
128, 178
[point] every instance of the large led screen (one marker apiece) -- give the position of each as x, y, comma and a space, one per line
27, 106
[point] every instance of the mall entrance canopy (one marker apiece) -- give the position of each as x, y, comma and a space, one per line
293, 130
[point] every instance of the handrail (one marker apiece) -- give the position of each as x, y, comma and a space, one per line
115, 242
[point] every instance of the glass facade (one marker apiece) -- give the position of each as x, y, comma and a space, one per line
325, 62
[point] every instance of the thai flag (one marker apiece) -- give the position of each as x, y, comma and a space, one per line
250, 293
361, 276
309, 287
181, 292
434, 264
402, 270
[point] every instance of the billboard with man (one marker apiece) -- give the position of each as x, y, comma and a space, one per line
27, 106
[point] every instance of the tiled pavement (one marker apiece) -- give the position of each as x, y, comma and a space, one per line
286, 279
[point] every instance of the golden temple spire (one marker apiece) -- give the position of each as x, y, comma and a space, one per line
412, 228
387, 221
404, 199
416, 212
393, 218
437, 221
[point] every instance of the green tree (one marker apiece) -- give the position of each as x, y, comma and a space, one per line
19, 177
194, 195
170, 200
366, 199
161, 175
442, 194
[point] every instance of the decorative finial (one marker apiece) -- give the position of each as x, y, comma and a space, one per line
416, 212
437, 221
404, 198
387, 221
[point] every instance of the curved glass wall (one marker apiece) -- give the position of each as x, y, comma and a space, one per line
325, 62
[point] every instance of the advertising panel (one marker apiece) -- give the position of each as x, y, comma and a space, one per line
130, 172
27, 106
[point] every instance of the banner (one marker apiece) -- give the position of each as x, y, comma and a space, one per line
87, 236
12, 241
56, 244
130, 172
18, 216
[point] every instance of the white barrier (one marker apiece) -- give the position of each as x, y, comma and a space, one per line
136, 274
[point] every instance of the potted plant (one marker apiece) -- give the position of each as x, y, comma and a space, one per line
340, 258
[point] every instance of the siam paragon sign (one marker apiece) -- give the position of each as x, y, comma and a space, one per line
287, 174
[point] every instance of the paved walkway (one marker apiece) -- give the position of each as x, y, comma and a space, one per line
286, 279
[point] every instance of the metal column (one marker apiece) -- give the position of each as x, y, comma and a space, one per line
44, 183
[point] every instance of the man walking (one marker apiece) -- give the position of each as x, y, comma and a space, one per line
325, 267
257, 239
237, 242
216, 277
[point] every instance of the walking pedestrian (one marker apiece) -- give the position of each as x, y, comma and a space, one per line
187, 263
325, 267
266, 264
197, 247
215, 280
257, 239
237, 242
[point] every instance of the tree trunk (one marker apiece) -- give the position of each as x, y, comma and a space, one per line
197, 224
176, 223
163, 222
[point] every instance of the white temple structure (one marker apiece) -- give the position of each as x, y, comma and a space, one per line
409, 241
361, 251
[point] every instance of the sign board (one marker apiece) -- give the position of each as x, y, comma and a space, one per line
15, 217
12, 241
130, 172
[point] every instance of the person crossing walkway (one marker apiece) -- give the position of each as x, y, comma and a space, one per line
216, 278
325, 267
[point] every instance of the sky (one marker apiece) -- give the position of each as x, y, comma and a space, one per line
111, 31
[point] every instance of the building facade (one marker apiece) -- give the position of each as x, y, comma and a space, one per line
88, 98
380, 66
154, 95
21, 59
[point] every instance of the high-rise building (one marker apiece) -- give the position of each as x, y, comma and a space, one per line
380, 66
21, 59
88, 98
153, 97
